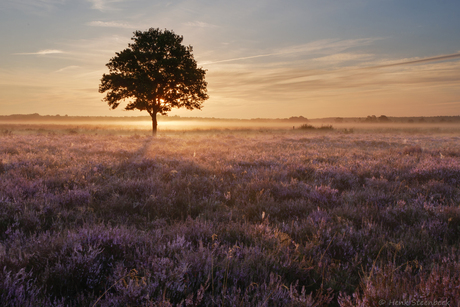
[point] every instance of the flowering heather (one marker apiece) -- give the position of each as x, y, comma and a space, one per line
279, 218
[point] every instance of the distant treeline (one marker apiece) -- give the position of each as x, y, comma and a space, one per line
388, 119
298, 119
38, 117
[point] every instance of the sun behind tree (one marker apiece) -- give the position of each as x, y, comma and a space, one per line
155, 73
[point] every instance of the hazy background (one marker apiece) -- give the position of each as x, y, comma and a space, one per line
265, 59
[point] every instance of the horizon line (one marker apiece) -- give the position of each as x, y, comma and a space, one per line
300, 117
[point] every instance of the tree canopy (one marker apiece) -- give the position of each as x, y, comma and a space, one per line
155, 73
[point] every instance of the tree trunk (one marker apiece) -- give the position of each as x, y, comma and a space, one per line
154, 123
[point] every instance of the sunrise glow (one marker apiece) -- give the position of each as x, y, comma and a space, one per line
310, 58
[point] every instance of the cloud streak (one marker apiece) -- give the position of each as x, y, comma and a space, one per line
35, 7
200, 24
322, 46
343, 57
110, 24
41, 52
243, 58
453, 56
66, 68
298, 84
103, 5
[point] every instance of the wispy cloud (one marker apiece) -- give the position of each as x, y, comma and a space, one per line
66, 68
242, 58
110, 24
200, 24
453, 56
327, 47
94, 51
103, 5
300, 84
343, 57
349, 73
41, 52
33, 6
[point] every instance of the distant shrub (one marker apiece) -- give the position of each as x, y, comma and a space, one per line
326, 127
371, 119
322, 128
307, 127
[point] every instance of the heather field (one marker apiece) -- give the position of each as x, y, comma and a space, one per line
228, 218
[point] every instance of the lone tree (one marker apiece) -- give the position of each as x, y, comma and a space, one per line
155, 73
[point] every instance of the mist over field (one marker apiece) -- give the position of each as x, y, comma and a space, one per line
104, 214
141, 124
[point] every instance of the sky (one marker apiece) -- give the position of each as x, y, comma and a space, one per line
264, 58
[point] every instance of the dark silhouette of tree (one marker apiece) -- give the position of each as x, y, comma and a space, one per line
371, 119
155, 73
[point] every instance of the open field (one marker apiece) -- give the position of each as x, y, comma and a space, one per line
143, 127
255, 217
